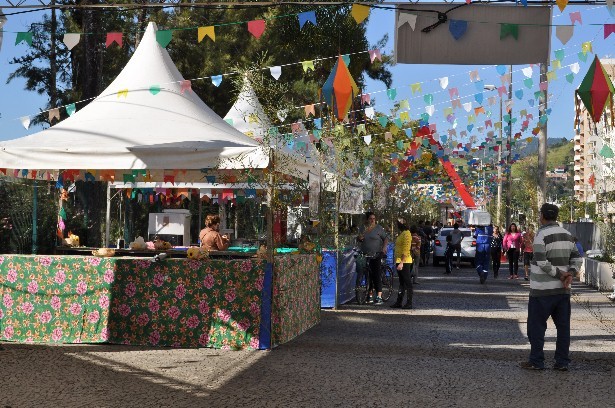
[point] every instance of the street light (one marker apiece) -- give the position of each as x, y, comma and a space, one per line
499, 198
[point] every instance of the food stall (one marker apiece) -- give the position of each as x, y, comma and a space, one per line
149, 126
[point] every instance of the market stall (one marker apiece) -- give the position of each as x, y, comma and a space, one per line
148, 126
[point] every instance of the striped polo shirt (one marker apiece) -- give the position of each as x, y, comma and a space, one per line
554, 253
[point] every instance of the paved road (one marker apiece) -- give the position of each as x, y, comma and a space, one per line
459, 347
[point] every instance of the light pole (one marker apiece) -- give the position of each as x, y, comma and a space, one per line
499, 198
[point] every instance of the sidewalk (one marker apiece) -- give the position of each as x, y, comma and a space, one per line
459, 347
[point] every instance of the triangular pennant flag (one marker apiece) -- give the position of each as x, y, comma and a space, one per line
208, 31
114, 38
370, 112
561, 4
375, 55
575, 17
392, 93
575, 68
444, 82
24, 36
570, 77
527, 71
276, 72
416, 88
307, 17
564, 33
475, 77
122, 92
186, 85
367, 139
71, 109
25, 121
307, 65
457, 28
509, 29
256, 28
560, 54
407, 18
586, 47
164, 37
359, 12
216, 80
71, 39
310, 109
154, 89
551, 76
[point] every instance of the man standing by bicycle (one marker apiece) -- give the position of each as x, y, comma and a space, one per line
374, 241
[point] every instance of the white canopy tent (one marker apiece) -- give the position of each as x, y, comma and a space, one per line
148, 118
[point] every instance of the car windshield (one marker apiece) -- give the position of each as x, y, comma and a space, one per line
447, 232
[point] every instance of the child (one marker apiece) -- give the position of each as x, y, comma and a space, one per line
448, 254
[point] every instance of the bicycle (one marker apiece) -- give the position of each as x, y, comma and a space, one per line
363, 287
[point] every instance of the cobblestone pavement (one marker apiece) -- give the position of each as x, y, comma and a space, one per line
459, 347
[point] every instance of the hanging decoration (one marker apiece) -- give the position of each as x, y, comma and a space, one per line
340, 89
595, 91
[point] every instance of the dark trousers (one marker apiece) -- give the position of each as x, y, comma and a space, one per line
375, 280
540, 308
405, 278
448, 260
513, 261
496, 261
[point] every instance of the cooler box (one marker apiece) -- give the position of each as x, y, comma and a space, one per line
170, 225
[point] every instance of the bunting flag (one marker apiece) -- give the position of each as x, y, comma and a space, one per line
561, 4
564, 33
71, 109
164, 37
575, 17
216, 80
186, 85
457, 28
359, 12
71, 40
307, 17
308, 65
114, 38
256, 28
444, 82
122, 92
509, 30
309, 109
406, 18
54, 114
25, 121
375, 55
24, 37
203, 32
3, 21
276, 72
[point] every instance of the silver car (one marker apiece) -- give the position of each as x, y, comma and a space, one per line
468, 246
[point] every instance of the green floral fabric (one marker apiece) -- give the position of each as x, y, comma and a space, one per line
296, 296
177, 302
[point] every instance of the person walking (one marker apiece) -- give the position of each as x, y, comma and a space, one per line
556, 261
403, 263
426, 244
415, 249
528, 251
483, 250
511, 245
496, 251
456, 238
374, 241
448, 255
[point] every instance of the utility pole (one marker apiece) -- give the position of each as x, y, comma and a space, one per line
542, 141
499, 199
508, 156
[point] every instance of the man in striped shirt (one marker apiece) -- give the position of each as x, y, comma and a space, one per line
556, 261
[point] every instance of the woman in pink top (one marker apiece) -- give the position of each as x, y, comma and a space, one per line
511, 245
528, 250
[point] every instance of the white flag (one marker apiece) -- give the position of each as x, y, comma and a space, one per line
430, 109
367, 139
467, 106
407, 18
25, 121
71, 39
444, 82
370, 113
276, 72
2, 21
527, 71
575, 68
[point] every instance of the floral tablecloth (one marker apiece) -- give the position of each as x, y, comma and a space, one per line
177, 302
296, 296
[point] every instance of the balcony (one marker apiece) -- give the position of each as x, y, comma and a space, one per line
577, 157
577, 178
578, 147
577, 167
578, 187
577, 138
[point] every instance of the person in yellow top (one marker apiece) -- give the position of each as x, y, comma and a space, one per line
403, 262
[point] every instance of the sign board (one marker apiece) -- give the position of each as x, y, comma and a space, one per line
478, 27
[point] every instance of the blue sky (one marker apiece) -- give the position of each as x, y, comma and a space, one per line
16, 102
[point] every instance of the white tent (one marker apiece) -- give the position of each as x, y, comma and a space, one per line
148, 118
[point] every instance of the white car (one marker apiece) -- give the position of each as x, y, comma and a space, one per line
468, 246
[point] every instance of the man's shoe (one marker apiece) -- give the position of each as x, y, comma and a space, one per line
526, 365
560, 367
369, 300
378, 301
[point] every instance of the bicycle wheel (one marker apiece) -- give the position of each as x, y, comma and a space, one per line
387, 281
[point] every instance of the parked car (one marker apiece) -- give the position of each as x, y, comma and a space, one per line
468, 246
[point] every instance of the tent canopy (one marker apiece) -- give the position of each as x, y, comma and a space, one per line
148, 118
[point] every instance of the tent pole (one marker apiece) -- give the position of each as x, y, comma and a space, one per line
108, 216
35, 218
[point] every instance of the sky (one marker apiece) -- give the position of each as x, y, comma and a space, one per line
15, 102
